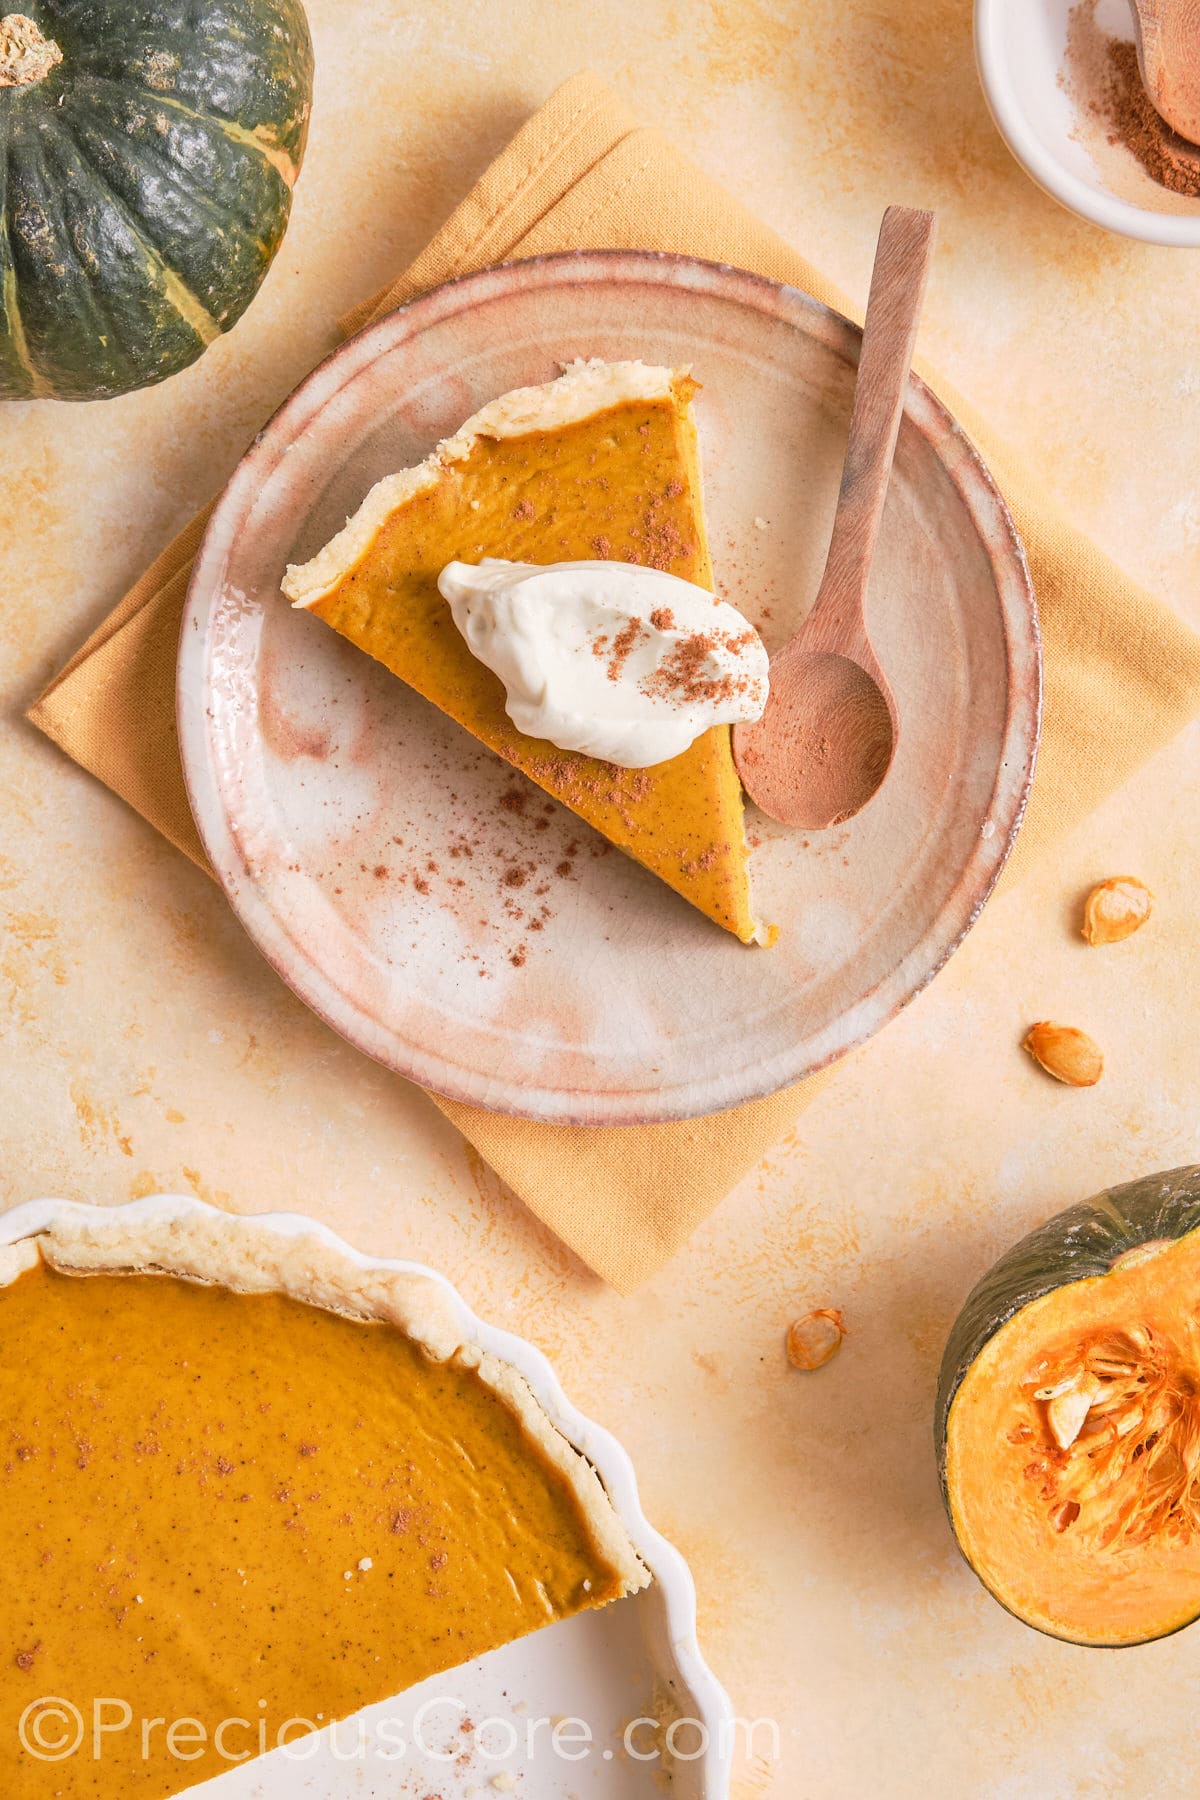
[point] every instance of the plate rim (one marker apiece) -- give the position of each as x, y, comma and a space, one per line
612, 1462
998, 538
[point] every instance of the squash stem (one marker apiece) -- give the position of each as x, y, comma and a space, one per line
26, 54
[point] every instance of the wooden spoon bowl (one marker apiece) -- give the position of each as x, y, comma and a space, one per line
801, 779
826, 739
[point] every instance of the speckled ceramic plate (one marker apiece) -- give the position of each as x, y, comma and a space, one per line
337, 807
637, 1660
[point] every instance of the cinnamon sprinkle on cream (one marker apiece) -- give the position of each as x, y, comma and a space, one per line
623, 646
683, 674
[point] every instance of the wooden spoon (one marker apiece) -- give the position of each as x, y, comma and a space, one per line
1169, 55
827, 737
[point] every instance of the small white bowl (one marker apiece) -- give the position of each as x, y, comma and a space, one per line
1021, 49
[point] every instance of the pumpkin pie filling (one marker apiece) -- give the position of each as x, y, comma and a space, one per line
238, 1506
603, 463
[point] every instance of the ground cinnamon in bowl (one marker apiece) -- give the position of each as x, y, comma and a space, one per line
1167, 158
1104, 79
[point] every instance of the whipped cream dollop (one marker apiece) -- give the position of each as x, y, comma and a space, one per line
617, 661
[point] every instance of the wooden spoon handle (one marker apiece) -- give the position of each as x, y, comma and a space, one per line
902, 259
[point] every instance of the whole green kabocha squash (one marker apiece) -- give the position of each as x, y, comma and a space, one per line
1068, 1418
148, 150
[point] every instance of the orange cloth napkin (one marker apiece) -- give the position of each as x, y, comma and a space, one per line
1122, 672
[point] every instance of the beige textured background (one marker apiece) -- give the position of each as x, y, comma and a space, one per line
143, 1045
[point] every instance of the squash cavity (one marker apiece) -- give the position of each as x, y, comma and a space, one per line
1069, 1419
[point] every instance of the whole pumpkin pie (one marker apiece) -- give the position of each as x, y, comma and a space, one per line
601, 463
244, 1480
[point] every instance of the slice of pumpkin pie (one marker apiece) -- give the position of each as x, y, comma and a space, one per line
245, 1481
600, 465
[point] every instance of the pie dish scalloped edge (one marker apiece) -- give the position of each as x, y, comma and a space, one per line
440, 1318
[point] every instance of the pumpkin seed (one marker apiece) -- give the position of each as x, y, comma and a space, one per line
814, 1339
1108, 1396
1060, 1387
1065, 1052
1066, 1412
1115, 909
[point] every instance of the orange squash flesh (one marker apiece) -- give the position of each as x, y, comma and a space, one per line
1095, 1539
224, 1506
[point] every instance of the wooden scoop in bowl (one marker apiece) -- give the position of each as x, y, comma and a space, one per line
1169, 55
827, 737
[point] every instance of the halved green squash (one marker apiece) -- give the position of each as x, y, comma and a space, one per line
1068, 1418
148, 150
